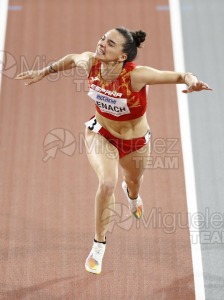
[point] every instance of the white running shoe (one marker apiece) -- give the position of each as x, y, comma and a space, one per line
135, 206
94, 260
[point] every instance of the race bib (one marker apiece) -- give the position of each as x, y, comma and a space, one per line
114, 106
93, 125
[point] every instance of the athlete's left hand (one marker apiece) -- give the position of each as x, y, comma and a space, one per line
197, 87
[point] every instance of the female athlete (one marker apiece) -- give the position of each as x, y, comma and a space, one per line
119, 128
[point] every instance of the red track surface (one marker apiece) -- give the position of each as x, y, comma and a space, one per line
47, 208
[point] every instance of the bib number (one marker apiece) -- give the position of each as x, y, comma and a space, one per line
93, 125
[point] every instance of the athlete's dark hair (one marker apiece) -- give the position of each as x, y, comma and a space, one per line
133, 40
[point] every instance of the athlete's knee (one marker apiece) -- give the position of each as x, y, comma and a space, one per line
133, 180
107, 186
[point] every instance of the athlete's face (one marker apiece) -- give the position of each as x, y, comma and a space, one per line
110, 46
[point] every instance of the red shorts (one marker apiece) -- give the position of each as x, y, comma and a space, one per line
124, 147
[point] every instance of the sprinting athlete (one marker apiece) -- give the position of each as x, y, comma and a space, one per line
119, 127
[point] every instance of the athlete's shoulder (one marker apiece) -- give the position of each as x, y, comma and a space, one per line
140, 72
147, 75
83, 57
138, 77
130, 65
84, 60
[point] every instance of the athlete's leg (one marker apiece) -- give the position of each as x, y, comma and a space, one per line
133, 166
103, 157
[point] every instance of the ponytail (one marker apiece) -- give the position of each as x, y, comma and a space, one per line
133, 41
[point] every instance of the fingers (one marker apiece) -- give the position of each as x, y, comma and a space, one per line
29, 82
24, 75
33, 80
186, 91
197, 87
204, 86
190, 89
34, 76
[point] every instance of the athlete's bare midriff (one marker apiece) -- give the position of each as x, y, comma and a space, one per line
124, 129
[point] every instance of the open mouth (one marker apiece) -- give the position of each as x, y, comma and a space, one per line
100, 51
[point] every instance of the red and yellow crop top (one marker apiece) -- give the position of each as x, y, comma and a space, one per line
115, 100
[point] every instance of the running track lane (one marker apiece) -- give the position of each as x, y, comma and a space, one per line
46, 219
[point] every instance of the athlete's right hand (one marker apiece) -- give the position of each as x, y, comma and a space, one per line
33, 75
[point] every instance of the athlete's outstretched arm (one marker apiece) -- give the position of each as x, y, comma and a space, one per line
65, 63
148, 76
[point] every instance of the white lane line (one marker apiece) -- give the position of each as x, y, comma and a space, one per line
176, 25
3, 24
